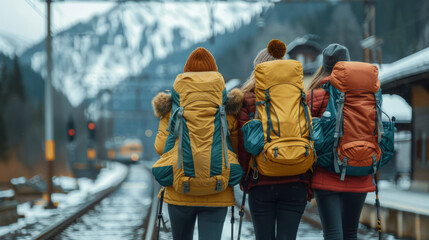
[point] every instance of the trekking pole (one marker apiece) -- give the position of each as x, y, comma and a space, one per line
160, 218
232, 223
377, 205
243, 201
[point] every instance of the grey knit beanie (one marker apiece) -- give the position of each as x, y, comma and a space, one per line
276, 50
333, 54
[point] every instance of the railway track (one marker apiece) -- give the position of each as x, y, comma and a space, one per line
60, 225
122, 211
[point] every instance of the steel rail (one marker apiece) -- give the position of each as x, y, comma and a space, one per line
62, 224
151, 219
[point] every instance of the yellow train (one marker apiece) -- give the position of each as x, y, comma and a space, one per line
128, 151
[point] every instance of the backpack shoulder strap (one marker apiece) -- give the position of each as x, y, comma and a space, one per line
339, 132
306, 113
378, 111
224, 133
270, 127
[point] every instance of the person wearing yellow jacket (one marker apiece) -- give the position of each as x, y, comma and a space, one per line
203, 146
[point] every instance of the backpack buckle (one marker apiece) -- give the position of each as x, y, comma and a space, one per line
303, 98
219, 185
255, 174
341, 99
185, 187
374, 163
267, 95
344, 168
222, 110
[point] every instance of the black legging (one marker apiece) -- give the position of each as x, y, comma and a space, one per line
339, 213
210, 222
284, 203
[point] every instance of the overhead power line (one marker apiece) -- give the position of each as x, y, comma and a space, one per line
40, 13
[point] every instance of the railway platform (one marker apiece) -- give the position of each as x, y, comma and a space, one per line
404, 213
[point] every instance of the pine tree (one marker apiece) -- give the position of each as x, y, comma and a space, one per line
3, 139
3, 82
16, 85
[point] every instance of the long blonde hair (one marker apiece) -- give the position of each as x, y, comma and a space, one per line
315, 82
249, 85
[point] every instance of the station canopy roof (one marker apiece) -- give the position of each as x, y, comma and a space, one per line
415, 64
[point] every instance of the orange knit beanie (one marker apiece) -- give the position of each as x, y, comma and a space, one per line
200, 60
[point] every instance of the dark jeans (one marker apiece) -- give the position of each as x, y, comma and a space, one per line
339, 213
283, 203
210, 222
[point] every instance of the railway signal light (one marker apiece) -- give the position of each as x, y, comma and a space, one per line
91, 129
71, 131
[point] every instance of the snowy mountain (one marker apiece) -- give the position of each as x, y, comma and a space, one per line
11, 45
108, 48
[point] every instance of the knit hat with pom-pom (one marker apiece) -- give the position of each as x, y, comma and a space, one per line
276, 50
200, 60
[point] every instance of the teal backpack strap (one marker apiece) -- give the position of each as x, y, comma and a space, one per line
307, 114
378, 111
269, 121
338, 132
173, 115
256, 109
178, 132
224, 133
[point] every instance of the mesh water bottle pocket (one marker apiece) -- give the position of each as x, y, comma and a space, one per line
387, 144
318, 136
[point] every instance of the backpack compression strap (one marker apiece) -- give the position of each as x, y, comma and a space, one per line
338, 134
178, 132
378, 122
307, 114
224, 133
270, 127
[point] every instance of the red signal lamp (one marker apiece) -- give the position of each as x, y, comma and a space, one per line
71, 132
91, 126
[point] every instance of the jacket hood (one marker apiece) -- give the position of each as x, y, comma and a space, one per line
162, 103
234, 101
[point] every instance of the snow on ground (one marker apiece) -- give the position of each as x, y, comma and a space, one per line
7, 193
66, 201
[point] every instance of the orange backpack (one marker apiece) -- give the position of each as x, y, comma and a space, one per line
353, 133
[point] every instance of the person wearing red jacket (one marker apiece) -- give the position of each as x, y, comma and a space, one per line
272, 200
339, 202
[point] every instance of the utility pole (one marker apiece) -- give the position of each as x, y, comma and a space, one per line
371, 44
49, 130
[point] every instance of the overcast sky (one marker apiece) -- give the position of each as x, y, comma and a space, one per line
19, 19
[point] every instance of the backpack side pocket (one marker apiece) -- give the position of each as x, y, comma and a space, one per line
318, 136
387, 143
162, 170
253, 136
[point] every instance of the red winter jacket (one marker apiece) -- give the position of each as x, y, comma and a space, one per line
244, 157
322, 178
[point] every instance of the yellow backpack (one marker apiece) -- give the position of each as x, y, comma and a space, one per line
198, 158
282, 110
